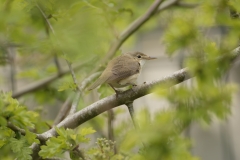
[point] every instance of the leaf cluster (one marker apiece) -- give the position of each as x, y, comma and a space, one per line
19, 116
67, 140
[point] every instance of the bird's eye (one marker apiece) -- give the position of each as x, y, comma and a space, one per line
139, 56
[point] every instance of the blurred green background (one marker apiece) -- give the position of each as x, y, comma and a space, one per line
197, 119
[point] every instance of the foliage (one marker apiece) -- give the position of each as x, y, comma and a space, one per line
79, 31
12, 112
67, 140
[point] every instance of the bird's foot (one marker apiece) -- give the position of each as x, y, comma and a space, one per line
118, 92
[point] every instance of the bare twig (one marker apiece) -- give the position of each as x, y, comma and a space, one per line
64, 110
131, 111
110, 128
23, 132
81, 89
75, 102
57, 64
16, 129
73, 74
12, 55
110, 125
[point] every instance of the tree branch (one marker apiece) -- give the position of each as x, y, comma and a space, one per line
111, 101
130, 95
63, 112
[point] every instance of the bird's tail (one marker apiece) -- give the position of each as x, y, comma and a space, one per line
98, 82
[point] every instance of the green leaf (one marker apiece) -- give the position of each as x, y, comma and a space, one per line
5, 135
67, 85
86, 131
3, 121
21, 148
31, 137
67, 139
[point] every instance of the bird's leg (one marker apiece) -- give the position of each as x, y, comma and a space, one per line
116, 91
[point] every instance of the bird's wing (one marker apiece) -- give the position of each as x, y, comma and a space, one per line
123, 67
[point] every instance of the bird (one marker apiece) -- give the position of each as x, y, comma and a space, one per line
122, 71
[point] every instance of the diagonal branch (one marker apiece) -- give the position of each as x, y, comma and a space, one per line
111, 101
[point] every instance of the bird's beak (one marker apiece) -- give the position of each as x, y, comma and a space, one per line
150, 58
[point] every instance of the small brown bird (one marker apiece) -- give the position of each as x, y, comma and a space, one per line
122, 70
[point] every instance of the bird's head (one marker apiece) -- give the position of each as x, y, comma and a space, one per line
140, 57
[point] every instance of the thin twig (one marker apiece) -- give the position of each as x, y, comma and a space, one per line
16, 129
64, 110
80, 90
75, 102
131, 112
12, 55
110, 124
46, 81
110, 128
73, 75
57, 64
23, 132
